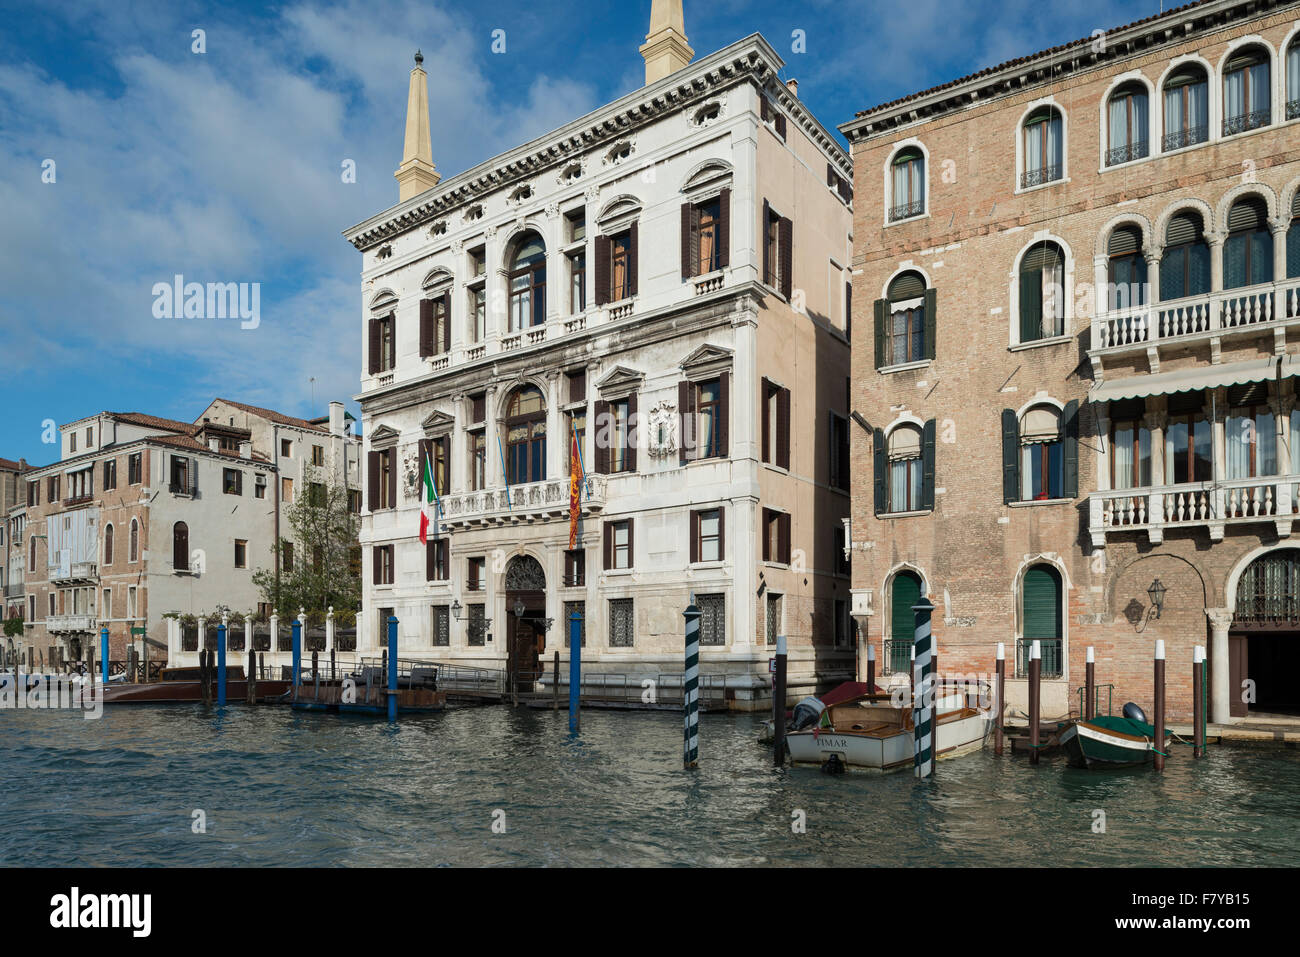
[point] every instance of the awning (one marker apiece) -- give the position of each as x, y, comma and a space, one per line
1188, 380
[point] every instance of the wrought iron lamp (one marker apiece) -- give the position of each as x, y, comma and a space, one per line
1157, 595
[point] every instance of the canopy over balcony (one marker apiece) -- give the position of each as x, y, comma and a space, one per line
1198, 377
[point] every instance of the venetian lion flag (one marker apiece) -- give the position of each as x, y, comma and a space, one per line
575, 485
430, 506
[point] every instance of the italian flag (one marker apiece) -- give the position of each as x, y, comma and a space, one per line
428, 515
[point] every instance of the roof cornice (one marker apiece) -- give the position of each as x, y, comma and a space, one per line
1051, 65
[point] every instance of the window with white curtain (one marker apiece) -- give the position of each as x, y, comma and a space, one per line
1044, 148
1127, 119
1250, 442
907, 184
1130, 448
1246, 100
1187, 108
1042, 455
904, 469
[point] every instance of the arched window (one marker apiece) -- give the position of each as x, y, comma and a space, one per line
1293, 80
1044, 147
526, 436
904, 592
1187, 108
906, 325
1042, 292
528, 283
1127, 124
905, 471
1293, 239
133, 542
1246, 99
1248, 251
180, 547
1268, 592
108, 544
1126, 268
1185, 263
907, 184
1042, 619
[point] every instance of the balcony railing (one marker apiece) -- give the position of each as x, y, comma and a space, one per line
528, 503
1049, 653
1218, 312
898, 656
1037, 177
1245, 121
1180, 139
906, 211
61, 624
77, 571
1213, 505
1126, 154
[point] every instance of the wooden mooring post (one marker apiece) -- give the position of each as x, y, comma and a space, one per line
999, 695
555, 682
297, 656
392, 668
1089, 685
871, 667
205, 688
315, 674
575, 672
251, 678
1035, 701
1198, 701
778, 703
1158, 679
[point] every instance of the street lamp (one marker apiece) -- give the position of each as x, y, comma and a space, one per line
1157, 594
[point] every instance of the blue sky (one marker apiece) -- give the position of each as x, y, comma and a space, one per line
225, 166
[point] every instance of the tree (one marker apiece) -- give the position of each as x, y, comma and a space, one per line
14, 628
324, 550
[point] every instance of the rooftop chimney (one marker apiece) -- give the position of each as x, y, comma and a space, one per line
793, 86
417, 172
665, 49
337, 425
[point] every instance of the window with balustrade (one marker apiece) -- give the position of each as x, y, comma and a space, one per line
1185, 261
1043, 142
1127, 124
1042, 292
1248, 250
1126, 268
1130, 445
1247, 101
528, 283
907, 184
1249, 433
1186, 108
1188, 442
526, 436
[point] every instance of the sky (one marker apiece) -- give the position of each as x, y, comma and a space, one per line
128, 158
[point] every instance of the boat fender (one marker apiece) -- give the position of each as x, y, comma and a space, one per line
1134, 713
833, 765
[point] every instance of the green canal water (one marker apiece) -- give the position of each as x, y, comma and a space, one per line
278, 788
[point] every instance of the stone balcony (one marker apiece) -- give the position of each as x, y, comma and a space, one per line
75, 572
63, 624
535, 502
1249, 310
1210, 505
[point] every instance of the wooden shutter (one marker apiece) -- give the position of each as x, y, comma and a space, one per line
602, 428
1183, 228
783, 537
780, 125
372, 481
1031, 305
478, 407
722, 533
878, 468
786, 252
689, 256
931, 326
631, 551
446, 321
426, 328
1070, 442
783, 428
1041, 602
764, 108
1124, 241
695, 536
1010, 457
608, 546
724, 413
602, 270
882, 331
633, 434
431, 560
632, 258
392, 477
767, 537
444, 560
424, 449
724, 228
578, 386
903, 594
374, 346
764, 393
374, 562
1247, 215
927, 465
762, 239
686, 411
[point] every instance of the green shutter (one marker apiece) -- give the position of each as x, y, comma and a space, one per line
1031, 305
1042, 603
1293, 250
1124, 241
878, 468
1070, 430
1010, 459
1247, 214
931, 306
909, 285
905, 593
1183, 228
927, 465
882, 327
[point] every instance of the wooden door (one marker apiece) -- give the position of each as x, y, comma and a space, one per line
523, 653
1238, 672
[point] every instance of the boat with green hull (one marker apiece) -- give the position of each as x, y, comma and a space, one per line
1108, 742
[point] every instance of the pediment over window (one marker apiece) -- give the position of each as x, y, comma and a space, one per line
617, 209
437, 277
383, 301
710, 174
384, 437
438, 423
707, 358
620, 379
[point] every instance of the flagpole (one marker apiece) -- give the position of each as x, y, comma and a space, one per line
504, 474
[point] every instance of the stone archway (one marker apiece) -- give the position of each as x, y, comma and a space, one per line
1264, 637
525, 592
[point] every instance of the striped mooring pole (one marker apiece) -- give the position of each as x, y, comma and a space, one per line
1198, 701
1035, 699
871, 667
923, 682
103, 654
1159, 682
1089, 684
296, 630
691, 689
999, 694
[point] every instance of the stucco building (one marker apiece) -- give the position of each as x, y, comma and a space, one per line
12, 520
667, 278
1078, 374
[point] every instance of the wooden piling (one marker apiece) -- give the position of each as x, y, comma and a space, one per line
778, 703
333, 665
555, 683
1035, 701
1198, 703
261, 665
205, 689
1000, 690
251, 678
1159, 680
1089, 685
871, 667
315, 674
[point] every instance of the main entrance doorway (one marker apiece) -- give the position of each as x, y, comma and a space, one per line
525, 588
1264, 643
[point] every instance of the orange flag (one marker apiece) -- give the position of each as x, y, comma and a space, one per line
575, 479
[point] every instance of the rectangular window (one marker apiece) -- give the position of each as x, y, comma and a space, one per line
1250, 442
384, 341
776, 536
1130, 459
259, 486
708, 418
477, 460
839, 451
1246, 96
110, 475
707, 535
477, 625
286, 554
286, 448
386, 488
437, 564
106, 603
478, 310
354, 501
1188, 456
318, 455
441, 626
577, 281
620, 459
477, 577
132, 603
620, 247
232, 482
772, 249
241, 553
843, 624
1187, 111
1041, 470
33, 493
575, 567
52, 489
773, 618
618, 544
383, 559
705, 237
621, 623
286, 490
134, 469
776, 424
570, 609
907, 331
577, 221
72, 441
1043, 153
713, 619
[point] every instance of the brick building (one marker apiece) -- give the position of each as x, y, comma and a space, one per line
12, 520
1078, 374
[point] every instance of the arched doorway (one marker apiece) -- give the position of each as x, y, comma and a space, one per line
904, 592
525, 588
1264, 641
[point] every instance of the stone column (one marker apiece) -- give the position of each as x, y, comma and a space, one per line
496, 282
329, 628
1220, 690
273, 622
1215, 240
1156, 420
491, 433
556, 447
1278, 227
1103, 448
1152, 292
557, 279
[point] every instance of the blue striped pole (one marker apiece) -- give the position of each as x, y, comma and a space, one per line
923, 680
575, 671
296, 628
691, 689
392, 668
221, 664
103, 654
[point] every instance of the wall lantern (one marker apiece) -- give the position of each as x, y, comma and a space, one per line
1157, 595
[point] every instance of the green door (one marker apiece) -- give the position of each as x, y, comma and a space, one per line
1042, 616
905, 593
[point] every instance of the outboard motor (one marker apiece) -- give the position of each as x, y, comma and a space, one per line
806, 713
1134, 713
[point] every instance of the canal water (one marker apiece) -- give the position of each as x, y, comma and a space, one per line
279, 788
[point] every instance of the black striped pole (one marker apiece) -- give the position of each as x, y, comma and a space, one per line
691, 689
1089, 685
1198, 701
923, 682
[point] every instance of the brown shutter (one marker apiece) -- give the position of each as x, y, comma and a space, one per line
374, 346
599, 427
446, 459
608, 545
578, 386
632, 257
688, 241
767, 539
479, 407
724, 228
425, 451
780, 125
724, 412
431, 560
446, 321
633, 432
602, 270
786, 253
762, 239
767, 422
374, 563
764, 108
695, 536
783, 536
444, 561
631, 550
426, 328
392, 478
372, 482
722, 534
686, 411
783, 428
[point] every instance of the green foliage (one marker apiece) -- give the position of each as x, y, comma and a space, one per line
14, 628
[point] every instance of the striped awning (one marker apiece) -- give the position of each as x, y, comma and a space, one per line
1199, 377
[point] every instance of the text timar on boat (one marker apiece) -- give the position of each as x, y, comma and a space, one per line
1108, 741
876, 732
